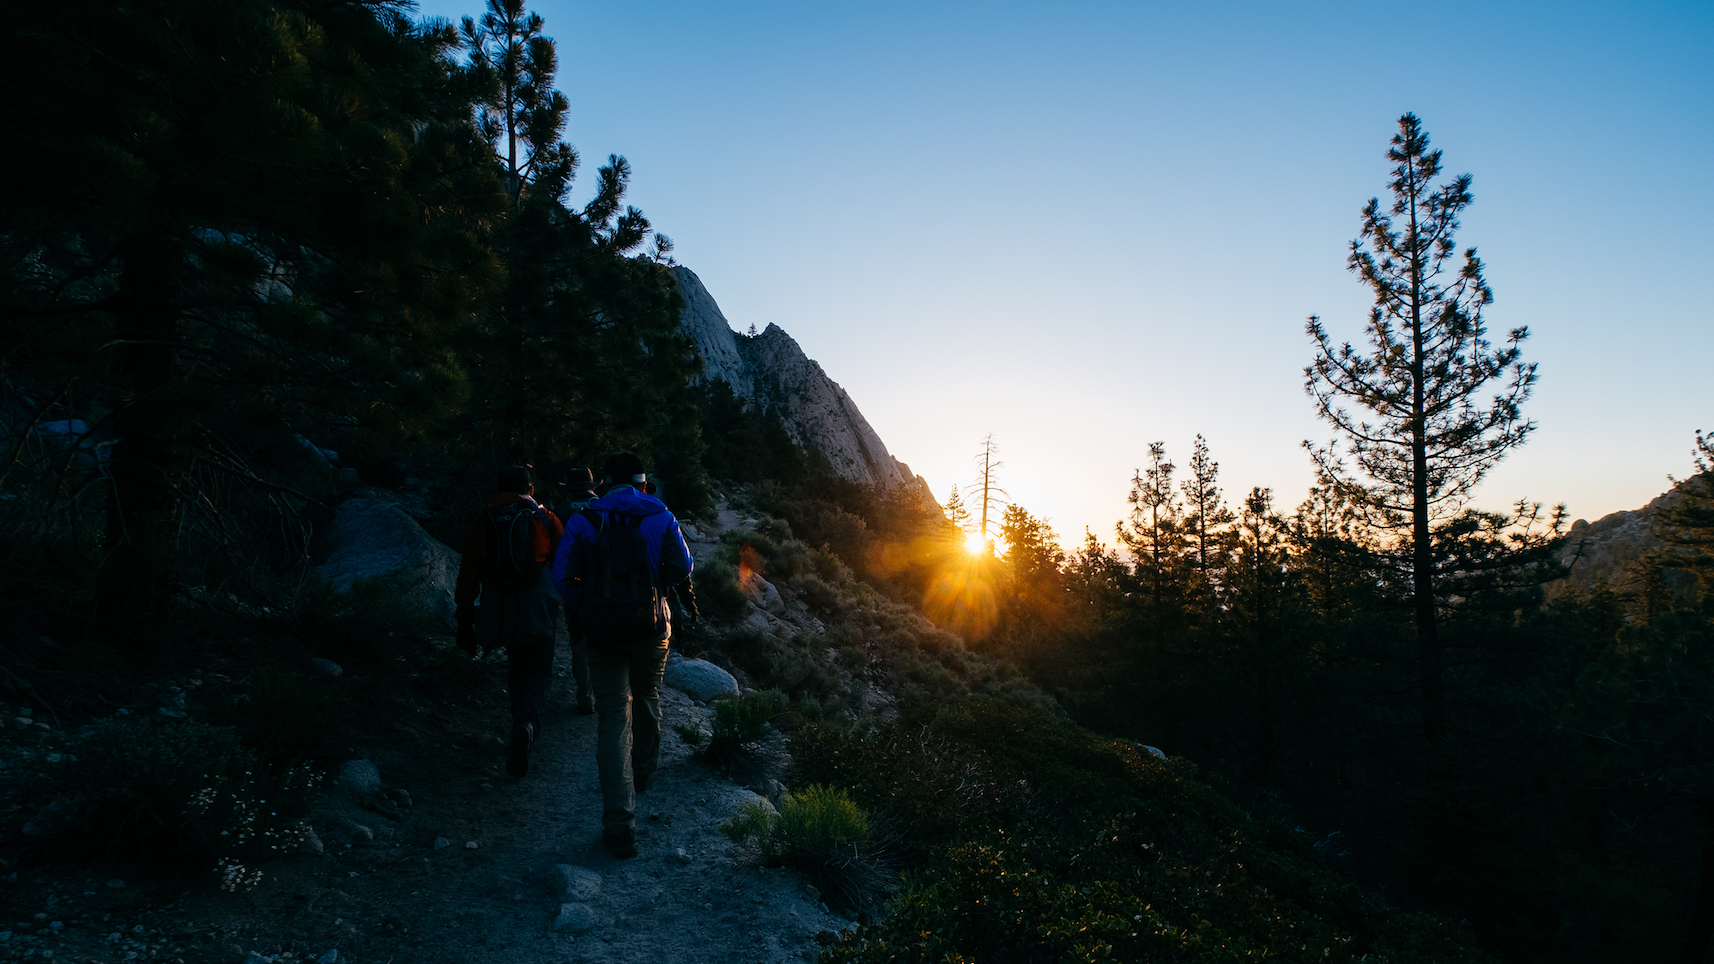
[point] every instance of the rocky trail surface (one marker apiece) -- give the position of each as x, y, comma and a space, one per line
429, 853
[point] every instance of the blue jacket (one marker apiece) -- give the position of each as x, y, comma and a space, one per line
669, 557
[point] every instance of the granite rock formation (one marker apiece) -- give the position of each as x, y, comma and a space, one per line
373, 540
770, 370
1610, 552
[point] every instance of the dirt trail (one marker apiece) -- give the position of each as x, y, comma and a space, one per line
470, 871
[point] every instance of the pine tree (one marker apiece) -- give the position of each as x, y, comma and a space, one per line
1424, 438
1033, 560
955, 511
1156, 539
582, 354
1206, 515
513, 65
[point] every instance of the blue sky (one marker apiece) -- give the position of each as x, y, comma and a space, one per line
1084, 227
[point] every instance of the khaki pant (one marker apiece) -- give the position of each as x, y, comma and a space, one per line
627, 681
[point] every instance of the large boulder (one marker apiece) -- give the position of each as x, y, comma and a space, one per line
373, 540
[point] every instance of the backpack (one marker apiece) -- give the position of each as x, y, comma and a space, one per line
512, 564
621, 603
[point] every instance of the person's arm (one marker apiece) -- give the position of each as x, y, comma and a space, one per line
675, 568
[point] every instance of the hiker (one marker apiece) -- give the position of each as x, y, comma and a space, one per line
506, 560
619, 558
582, 485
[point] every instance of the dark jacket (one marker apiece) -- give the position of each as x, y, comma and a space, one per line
501, 615
668, 556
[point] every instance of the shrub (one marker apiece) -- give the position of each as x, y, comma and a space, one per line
717, 589
818, 593
823, 833
178, 790
739, 724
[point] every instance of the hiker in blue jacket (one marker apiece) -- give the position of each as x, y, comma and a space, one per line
617, 562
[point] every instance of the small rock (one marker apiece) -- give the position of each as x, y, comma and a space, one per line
360, 775
441, 843
22, 720
349, 476
116, 883
174, 714
401, 797
470, 845
699, 679
329, 957
26, 711
312, 844
690, 532
681, 855
361, 834
327, 668
577, 883
574, 918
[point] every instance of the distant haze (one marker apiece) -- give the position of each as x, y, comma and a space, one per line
1084, 227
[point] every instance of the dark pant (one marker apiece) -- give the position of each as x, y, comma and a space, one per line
529, 671
580, 664
628, 745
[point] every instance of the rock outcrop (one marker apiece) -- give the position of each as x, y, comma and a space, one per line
770, 370
373, 540
1611, 550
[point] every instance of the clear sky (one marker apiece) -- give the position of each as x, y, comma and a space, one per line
1087, 226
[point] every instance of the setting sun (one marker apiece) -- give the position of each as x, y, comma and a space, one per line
975, 544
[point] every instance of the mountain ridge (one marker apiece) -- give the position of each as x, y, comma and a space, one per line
771, 370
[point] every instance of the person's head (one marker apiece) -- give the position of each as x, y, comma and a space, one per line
580, 479
624, 468
515, 479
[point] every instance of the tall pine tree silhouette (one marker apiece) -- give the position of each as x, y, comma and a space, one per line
1423, 436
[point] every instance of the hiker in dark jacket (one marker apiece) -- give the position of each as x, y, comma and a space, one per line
614, 568
507, 562
582, 485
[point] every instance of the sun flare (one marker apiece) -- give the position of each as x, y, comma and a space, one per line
975, 544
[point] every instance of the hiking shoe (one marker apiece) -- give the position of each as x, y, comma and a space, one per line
622, 845
584, 709
518, 761
641, 784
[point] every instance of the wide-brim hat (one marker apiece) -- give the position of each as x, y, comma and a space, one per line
580, 478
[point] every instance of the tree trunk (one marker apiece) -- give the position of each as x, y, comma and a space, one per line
139, 576
1701, 936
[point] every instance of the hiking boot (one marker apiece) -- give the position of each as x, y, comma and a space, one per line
641, 784
518, 761
622, 845
584, 709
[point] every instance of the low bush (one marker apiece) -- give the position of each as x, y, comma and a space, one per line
717, 590
178, 791
739, 724
822, 832
1039, 840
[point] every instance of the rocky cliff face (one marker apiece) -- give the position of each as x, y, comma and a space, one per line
770, 370
1610, 552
